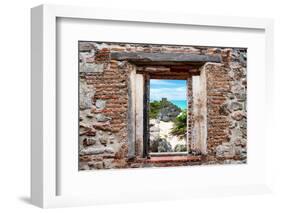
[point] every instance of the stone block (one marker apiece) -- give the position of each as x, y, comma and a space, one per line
236, 133
100, 104
234, 106
108, 163
241, 97
92, 151
89, 141
109, 150
226, 150
91, 68
87, 92
238, 115
102, 118
103, 139
240, 142
86, 46
96, 165
243, 123
84, 167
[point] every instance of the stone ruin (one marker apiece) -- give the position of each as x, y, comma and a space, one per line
113, 127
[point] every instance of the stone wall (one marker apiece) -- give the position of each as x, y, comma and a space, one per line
227, 118
104, 104
103, 109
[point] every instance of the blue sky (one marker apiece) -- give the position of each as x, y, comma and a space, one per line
170, 89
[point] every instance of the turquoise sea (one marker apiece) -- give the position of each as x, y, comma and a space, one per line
180, 103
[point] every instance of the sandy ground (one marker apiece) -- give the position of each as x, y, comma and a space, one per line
165, 128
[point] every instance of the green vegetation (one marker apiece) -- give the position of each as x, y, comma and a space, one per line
180, 126
156, 106
179, 117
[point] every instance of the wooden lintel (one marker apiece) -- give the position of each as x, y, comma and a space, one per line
164, 57
170, 75
173, 77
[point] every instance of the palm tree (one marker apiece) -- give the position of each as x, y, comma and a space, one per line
180, 126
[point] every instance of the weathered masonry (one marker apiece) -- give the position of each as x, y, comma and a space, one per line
114, 101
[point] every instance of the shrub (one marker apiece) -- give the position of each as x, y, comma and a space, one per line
180, 126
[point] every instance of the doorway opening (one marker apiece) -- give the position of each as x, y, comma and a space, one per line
168, 117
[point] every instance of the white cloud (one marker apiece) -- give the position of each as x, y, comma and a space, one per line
177, 93
158, 82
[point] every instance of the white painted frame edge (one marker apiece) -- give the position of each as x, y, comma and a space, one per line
43, 86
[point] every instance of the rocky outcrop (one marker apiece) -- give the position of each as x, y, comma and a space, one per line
168, 111
157, 143
160, 145
180, 148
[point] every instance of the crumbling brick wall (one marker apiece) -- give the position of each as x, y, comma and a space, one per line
103, 103
227, 118
103, 119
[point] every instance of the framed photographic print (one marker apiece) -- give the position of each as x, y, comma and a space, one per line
131, 105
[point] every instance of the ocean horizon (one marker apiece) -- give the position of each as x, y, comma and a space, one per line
179, 103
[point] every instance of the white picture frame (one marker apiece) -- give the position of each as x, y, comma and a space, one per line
44, 153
